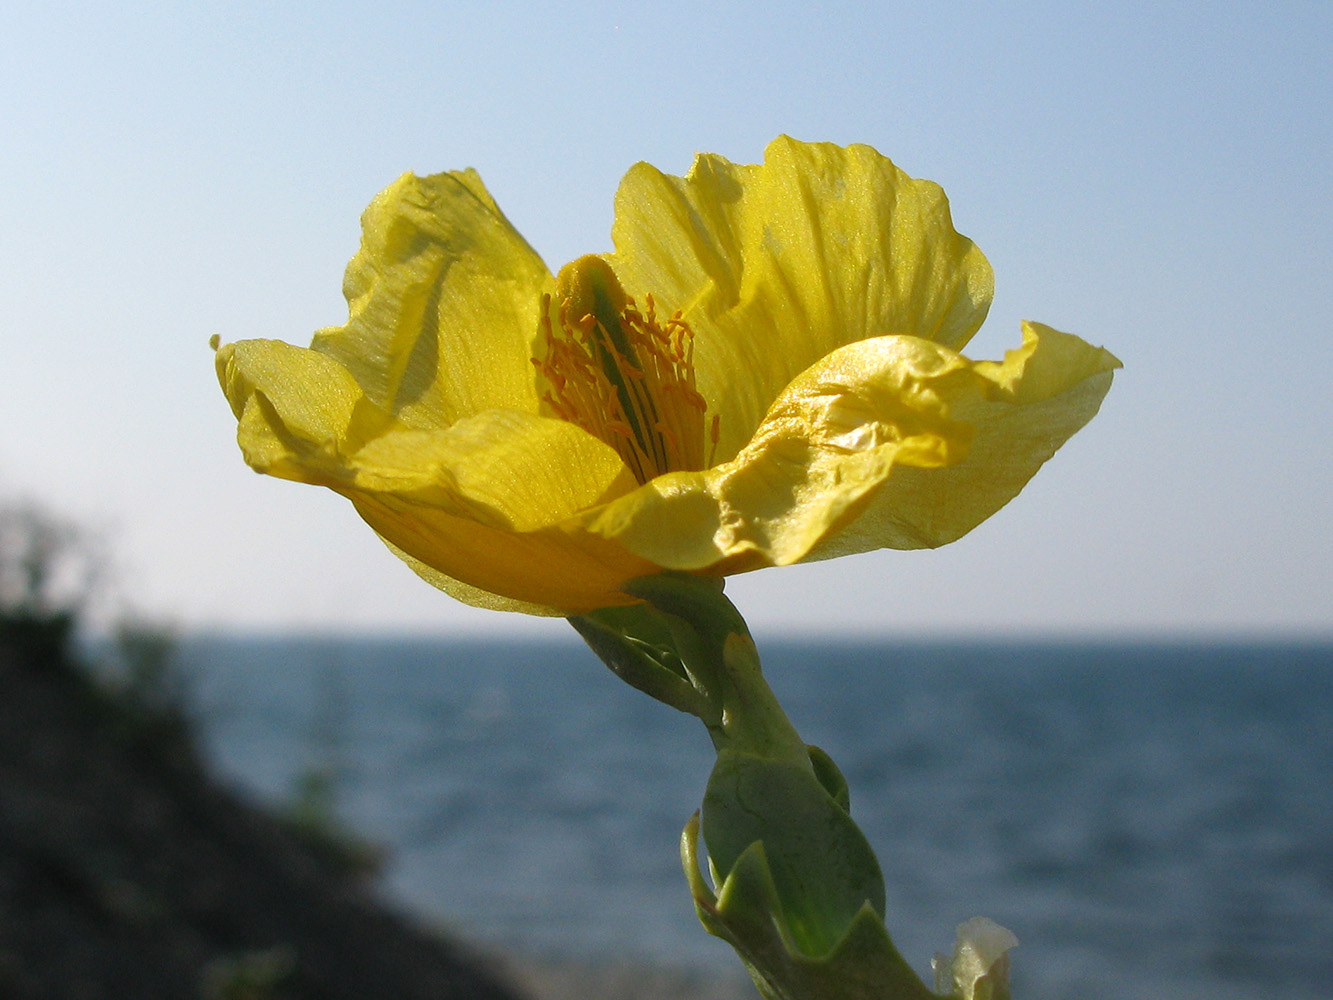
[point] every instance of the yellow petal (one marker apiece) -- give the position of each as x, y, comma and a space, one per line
832, 435
549, 571
828, 295
300, 413
483, 511
1031, 404
501, 468
889, 442
486, 500
444, 298
468, 594
777, 265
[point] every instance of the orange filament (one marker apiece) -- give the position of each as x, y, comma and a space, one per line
622, 375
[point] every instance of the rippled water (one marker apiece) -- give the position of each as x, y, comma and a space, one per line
1151, 820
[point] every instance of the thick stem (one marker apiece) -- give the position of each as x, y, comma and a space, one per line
800, 895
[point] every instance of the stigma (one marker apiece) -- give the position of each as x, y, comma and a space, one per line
625, 376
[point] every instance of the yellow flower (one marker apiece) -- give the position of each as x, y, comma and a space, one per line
765, 371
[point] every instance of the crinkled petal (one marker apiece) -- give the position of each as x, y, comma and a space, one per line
1031, 404
443, 303
485, 504
777, 265
891, 442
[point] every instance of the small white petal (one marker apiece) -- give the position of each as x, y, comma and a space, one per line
981, 952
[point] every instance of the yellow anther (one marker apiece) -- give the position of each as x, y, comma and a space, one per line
622, 375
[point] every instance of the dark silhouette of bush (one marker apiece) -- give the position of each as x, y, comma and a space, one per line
125, 870
49, 571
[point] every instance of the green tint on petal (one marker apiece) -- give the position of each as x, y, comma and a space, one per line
468, 594
443, 299
777, 265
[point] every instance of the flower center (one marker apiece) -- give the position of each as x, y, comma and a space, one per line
623, 375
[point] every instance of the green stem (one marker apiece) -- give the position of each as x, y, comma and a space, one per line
799, 891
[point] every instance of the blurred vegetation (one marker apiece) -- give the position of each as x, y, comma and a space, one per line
52, 573
125, 869
48, 575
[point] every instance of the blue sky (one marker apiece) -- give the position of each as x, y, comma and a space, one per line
1153, 177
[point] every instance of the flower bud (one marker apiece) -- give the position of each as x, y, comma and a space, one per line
979, 968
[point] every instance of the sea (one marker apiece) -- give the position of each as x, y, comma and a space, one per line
1152, 819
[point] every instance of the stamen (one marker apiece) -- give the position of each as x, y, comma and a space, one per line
623, 375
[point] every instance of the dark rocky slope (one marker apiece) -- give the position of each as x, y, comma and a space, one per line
126, 872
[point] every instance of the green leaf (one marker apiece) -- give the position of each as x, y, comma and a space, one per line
639, 646
823, 867
830, 776
747, 912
